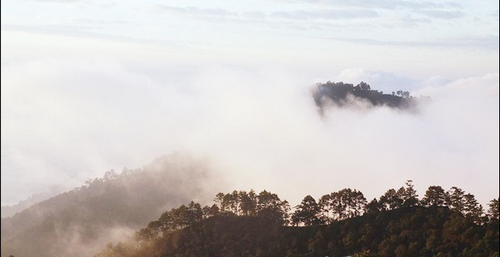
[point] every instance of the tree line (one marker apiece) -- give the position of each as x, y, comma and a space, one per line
344, 94
348, 203
340, 205
398, 223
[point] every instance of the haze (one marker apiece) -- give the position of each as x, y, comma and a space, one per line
89, 86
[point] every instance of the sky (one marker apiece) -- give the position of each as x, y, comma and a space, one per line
88, 86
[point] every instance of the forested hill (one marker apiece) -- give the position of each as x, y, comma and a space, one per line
343, 223
344, 94
81, 222
411, 231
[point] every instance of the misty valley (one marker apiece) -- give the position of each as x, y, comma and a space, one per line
150, 212
283, 128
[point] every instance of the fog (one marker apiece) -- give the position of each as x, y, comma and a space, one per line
106, 210
70, 120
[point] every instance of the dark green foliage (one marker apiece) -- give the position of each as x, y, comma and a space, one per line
307, 212
435, 196
408, 231
240, 223
266, 205
391, 200
343, 94
397, 225
346, 203
493, 210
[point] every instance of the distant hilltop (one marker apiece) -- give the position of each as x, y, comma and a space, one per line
342, 94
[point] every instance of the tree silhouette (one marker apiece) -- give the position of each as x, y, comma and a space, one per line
391, 200
493, 209
306, 212
435, 196
408, 194
457, 199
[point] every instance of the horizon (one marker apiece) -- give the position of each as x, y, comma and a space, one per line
92, 86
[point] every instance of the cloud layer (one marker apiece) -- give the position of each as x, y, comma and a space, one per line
71, 120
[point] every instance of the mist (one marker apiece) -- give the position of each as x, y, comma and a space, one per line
258, 125
105, 210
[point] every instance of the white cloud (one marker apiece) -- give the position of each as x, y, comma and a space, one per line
89, 89
194, 11
442, 14
380, 80
56, 1
69, 120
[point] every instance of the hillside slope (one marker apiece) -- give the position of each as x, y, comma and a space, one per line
80, 222
412, 231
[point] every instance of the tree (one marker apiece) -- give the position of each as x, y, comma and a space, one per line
306, 212
210, 211
337, 205
346, 203
391, 200
270, 206
219, 198
110, 175
408, 194
326, 212
152, 231
248, 202
358, 203
457, 199
179, 216
167, 221
363, 85
435, 196
353, 202
493, 209
334, 205
194, 213
473, 209
373, 206
231, 201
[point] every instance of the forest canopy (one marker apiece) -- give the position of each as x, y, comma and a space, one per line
342, 94
398, 223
